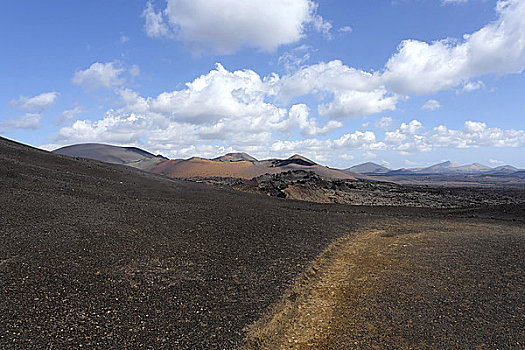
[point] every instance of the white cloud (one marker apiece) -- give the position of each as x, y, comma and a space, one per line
394, 137
299, 117
226, 26
352, 103
345, 29
243, 111
472, 86
474, 127
99, 75
28, 121
37, 103
498, 48
431, 105
411, 128
332, 77
221, 106
475, 135
155, 26
359, 140
355, 92
415, 143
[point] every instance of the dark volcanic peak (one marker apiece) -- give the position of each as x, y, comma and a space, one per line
235, 157
106, 153
299, 160
369, 168
504, 169
298, 156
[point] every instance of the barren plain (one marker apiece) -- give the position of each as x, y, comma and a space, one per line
105, 256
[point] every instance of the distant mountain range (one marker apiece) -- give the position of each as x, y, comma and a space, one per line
235, 165
242, 165
445, 168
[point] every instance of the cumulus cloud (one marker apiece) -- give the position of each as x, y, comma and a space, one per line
409, 138
431, 105
221, 106
99, 75
425, 68
326, 149
475, 135
299, 117
237, 110
395, 137
359, 141
411, 128
39, 103
34, 107
242, 110
226, 26
351, 103
28, 121
355, 92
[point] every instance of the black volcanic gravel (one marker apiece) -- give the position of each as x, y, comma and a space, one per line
101, 256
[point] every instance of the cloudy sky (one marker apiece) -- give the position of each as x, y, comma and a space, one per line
399, 82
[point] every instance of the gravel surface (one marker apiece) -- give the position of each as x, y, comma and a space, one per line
100, 256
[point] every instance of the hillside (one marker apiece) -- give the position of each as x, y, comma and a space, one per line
106, 153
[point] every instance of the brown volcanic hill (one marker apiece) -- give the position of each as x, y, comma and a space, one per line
235, 157
200, 167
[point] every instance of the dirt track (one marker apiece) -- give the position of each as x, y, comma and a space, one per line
421, 285
103, 256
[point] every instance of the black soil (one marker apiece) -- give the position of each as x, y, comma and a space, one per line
100, 256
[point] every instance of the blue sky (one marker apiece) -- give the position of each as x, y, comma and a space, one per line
403, 83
